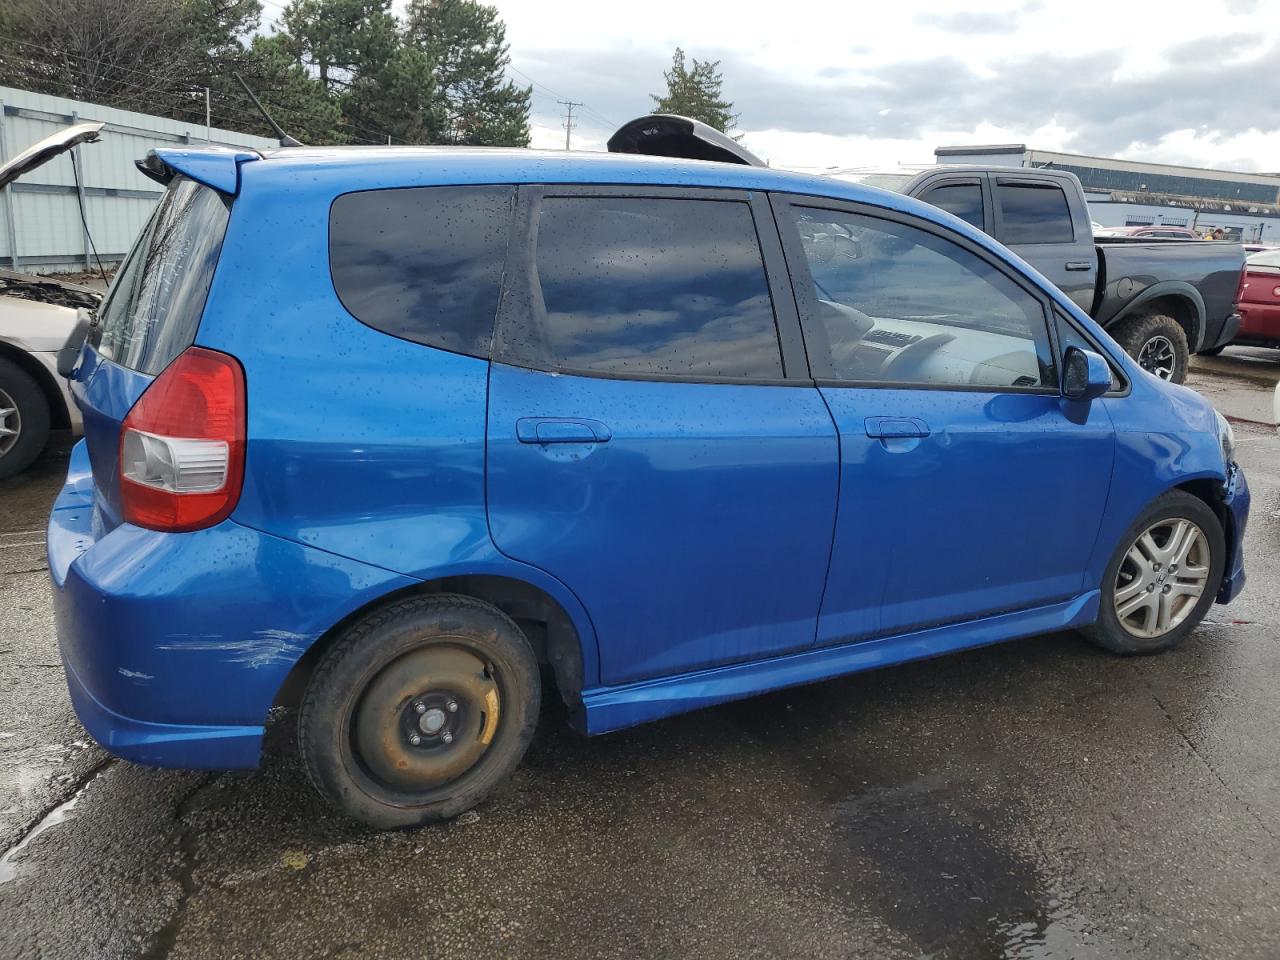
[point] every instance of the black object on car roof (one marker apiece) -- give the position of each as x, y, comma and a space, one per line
669, 135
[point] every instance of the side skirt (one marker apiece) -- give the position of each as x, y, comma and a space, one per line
613, 708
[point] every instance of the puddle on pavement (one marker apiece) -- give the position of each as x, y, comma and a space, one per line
942, 871
9, 865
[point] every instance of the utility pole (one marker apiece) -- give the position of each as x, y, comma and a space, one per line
568, 120
207, 136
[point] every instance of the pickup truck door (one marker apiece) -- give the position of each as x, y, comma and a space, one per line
1049, 228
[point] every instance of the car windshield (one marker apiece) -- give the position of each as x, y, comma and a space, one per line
1264, 258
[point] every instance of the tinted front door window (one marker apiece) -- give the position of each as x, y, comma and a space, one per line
963, 200
667, 287
899, 304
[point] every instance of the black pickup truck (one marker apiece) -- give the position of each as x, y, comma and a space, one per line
1161, 300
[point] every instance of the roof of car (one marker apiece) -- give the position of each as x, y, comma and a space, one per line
379, 166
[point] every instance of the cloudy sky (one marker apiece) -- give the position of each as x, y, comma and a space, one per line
852, 82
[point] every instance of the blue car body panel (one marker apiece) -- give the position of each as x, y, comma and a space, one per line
195, 632
671, 531
965, 521
705, 541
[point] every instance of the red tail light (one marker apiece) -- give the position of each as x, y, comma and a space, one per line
1244, 282
182, 445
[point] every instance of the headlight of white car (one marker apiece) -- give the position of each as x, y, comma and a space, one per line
1226, 437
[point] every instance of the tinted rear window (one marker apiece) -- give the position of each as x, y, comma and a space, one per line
668, 287
1033, 213
423, 263
154, 307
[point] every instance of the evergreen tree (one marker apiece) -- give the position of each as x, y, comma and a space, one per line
466, 43
695, 92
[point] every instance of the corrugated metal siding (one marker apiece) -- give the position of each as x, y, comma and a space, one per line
40, 211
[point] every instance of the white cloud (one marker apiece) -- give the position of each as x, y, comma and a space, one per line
818, 83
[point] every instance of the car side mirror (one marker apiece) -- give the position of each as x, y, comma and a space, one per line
1085, 375
69, 355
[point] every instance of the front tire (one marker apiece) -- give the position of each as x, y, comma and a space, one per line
419, 710
1157, 342
24, 419
1162, 578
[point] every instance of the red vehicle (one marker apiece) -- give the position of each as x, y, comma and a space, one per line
1260, 300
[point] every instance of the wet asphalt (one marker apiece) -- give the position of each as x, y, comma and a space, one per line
1039, 799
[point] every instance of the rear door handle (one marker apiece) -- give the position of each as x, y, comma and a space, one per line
1079, 264
887, 427
561, 430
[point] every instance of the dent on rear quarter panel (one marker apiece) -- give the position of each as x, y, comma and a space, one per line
359, 443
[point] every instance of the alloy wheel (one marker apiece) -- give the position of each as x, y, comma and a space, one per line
1158, 356
1162, 577
10, 423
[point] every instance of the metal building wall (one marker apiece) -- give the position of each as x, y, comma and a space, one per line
40, 227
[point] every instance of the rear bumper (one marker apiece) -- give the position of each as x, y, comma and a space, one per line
1230, 327
1236, 500
175, 645
184, 745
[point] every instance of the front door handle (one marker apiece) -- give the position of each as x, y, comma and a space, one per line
1079, 264
889, 427
561, 430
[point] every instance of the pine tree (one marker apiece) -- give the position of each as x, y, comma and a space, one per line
695, 92
466, 43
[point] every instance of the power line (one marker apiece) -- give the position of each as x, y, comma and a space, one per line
561, 97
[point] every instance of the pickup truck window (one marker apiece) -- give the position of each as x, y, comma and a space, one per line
897, 304
1033, 213
963, 200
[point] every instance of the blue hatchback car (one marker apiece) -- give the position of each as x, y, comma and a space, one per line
406, 429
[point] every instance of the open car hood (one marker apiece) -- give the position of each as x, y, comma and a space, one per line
669, 135
48, 148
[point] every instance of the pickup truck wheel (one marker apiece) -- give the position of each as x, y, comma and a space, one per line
24, 419
1157, 342
1162, 578
419, 710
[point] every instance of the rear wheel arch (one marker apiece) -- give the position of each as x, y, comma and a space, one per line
555, 638
1180, 301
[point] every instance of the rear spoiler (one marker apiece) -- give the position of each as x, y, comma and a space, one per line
217, 167
669, 135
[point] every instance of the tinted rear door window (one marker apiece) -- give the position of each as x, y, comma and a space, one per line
423, 263
155, 303
654, 286
963, 200
1033, 213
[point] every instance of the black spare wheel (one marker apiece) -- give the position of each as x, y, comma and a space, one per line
419, 710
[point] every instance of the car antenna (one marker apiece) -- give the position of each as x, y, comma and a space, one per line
285, 139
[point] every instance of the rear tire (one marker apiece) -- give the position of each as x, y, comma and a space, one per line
1157, 342
419, 710
1158, 583
24, 411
